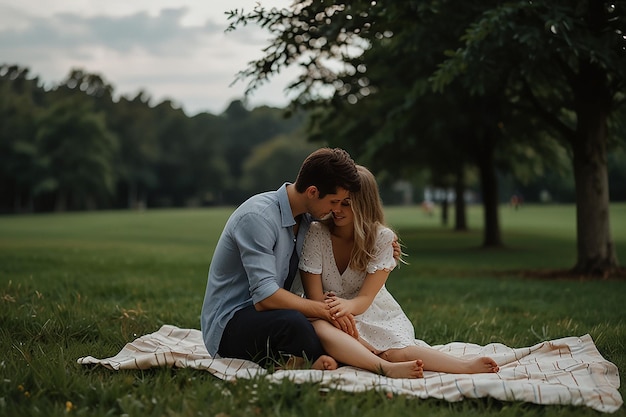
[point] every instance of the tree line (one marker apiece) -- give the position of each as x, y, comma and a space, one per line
73, 146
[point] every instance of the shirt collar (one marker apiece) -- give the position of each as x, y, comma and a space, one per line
284, 206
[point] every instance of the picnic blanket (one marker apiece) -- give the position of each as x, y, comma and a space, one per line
567, 371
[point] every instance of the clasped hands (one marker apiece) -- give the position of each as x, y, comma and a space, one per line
340, 313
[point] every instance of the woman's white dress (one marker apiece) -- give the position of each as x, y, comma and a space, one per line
383, 325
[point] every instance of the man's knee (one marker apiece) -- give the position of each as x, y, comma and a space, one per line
297, 336
294, 322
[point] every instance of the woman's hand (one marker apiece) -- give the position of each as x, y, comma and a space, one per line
339, 307
344, 322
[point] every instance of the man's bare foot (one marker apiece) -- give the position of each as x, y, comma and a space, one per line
325, 363
410, 369
481, 365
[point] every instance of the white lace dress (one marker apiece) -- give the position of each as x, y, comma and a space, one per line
383, 325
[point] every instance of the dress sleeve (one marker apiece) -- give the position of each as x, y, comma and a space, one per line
383, 252
311, 257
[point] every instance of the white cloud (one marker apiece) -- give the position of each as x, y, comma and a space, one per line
174, 50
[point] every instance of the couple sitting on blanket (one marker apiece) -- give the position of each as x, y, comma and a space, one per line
348, 316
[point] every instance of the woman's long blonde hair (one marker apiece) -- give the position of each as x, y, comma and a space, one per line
367, 209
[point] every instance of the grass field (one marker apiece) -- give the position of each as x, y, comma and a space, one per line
82, 284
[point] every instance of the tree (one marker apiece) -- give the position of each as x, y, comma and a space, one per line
205, 158
134, 123
78, 149
371, 62
570, 61
173, 134
274, 162
20, 164
244, 130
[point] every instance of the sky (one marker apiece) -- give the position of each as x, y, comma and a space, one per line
174, 50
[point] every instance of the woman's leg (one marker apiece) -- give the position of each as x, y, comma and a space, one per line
348, 350
437, 361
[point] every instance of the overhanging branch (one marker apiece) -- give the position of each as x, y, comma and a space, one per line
546, 115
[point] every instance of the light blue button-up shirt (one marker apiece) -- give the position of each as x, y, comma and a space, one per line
251, 260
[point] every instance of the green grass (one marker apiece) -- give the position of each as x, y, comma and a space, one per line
87, 283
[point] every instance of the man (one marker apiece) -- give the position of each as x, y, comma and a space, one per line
248, 310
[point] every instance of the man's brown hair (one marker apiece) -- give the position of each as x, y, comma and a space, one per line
328, 169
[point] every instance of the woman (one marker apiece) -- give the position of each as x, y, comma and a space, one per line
345, 261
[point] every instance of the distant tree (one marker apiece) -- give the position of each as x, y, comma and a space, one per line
78, 150
244, 130
134, 123
175, 181
92, 85
206, 159
20, 165
273, 163
241, 136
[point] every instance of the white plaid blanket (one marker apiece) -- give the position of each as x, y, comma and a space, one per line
567, 371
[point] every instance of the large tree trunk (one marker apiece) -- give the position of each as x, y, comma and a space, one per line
489, 187
596, 252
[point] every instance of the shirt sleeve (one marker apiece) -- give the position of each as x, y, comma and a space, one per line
311, 258
256, 239
383, 252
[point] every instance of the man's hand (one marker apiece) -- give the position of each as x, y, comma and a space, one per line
346, 324
397, 251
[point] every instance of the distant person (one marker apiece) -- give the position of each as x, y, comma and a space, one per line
345, 263
428, 207
516, 201
248, 311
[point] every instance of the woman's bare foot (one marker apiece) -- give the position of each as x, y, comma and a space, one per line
481, 365
410, 369
325, 363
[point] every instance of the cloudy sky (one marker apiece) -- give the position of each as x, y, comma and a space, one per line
171, 49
